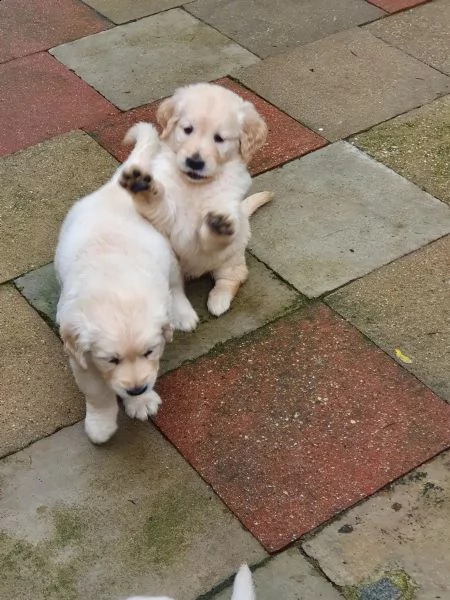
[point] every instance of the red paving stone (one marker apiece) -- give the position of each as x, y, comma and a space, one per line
299, 422
287, 138
40, 99
28, 26
392, 6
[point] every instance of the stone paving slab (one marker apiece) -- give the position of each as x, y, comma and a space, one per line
334, 218
263, 298
299, 421
38, 186
44, 101
146, 60
37, 394
392, 6
422, 32
406, 306
400, 535
290, 577
79, 521
29, 26
122, 11
344, 83
416, 145
287, 138
274, 26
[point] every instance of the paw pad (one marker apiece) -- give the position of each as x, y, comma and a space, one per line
221, 224
135, 180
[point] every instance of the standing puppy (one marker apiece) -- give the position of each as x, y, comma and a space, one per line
121, 294
209, 135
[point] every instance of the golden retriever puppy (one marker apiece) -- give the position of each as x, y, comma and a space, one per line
121, 295
209, 135
242, 587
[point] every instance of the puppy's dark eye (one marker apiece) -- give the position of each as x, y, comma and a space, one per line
188, 130
148, 353
114, 361
218, 138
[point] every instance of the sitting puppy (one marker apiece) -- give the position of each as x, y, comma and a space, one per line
209, 135
121, 295
242, 587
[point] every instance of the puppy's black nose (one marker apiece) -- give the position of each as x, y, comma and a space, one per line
195, 162
137, 391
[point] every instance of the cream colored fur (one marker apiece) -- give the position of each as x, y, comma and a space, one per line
206, 218
121, 295
242, 587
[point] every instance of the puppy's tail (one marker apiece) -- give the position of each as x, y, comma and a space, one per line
253, 202
146, 146
243, 585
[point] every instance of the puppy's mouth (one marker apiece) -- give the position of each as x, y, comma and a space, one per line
195, 176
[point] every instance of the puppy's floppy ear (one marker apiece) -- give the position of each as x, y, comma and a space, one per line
166, 117
73, 344
253, 132
167, 331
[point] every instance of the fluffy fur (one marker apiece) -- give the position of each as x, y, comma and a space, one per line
121, 295
242, 587
209, 135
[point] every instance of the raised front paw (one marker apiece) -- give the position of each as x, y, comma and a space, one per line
220, 224
135, 180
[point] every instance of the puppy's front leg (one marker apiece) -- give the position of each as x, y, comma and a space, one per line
148, 197
217, 230
227, 282
100, 422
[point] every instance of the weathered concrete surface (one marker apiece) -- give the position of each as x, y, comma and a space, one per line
416, 145
37, 392
335, 219
79, 521
41, 289
288, 576
262, 299
146, 60
122, 11
406, 306
38, 186
422, 32
272, 27
402, 532
344, 83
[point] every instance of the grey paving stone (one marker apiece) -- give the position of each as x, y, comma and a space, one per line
401, 535
416, 145
273, 26
406, 306
423, 32
37, 391
261, 299
337, 215
143, 61
79, 521
38, 186
344, 83
290, 577
122, 11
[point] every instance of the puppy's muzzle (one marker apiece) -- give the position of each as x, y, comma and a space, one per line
137, 391
195, 162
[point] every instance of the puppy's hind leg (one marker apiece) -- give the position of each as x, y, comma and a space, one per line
183, 314
227, 282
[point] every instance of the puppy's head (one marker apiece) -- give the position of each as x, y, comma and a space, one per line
207, 126
121, 338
